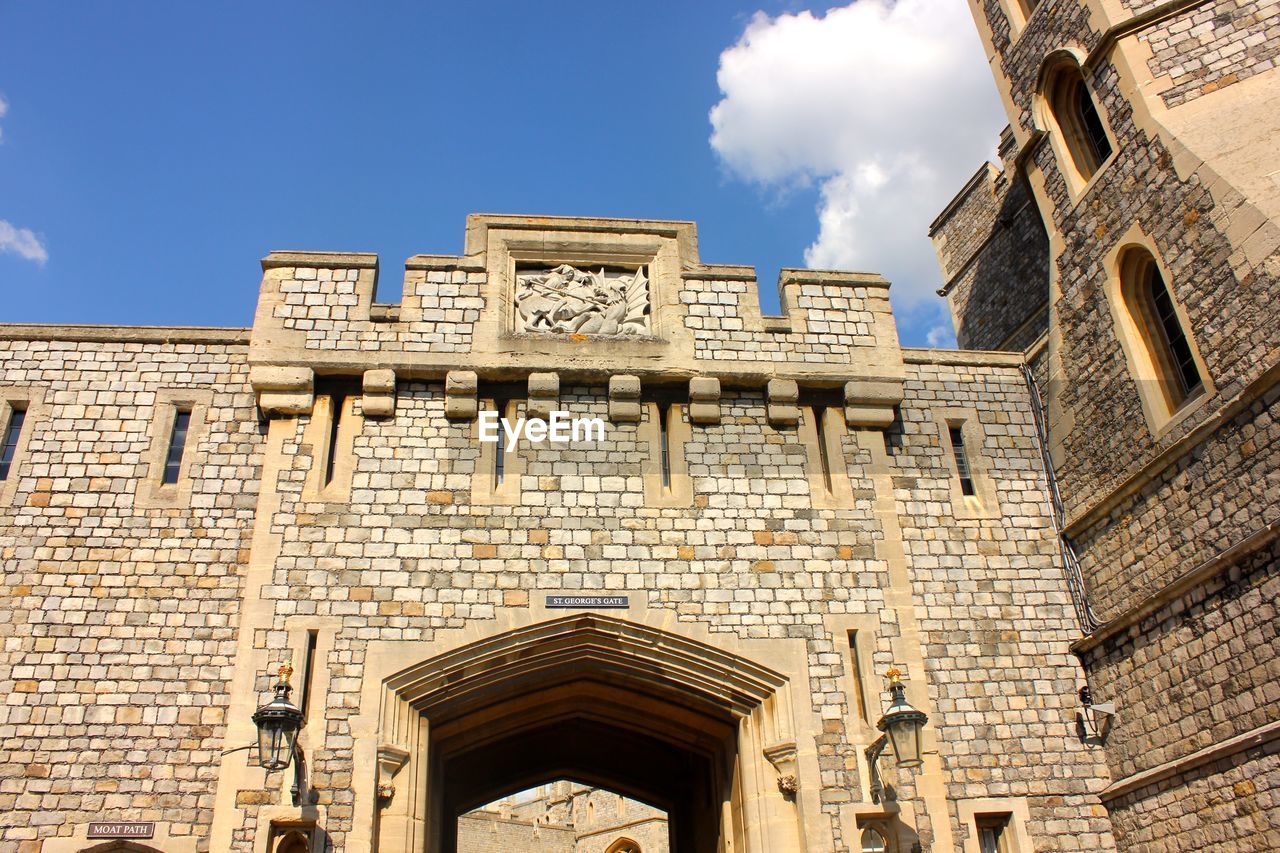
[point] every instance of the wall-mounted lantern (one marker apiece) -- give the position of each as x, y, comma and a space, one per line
278, 723
903, 728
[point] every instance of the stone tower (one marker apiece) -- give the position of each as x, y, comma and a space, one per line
1143, 134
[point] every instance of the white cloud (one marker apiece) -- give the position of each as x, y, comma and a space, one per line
888, 106
19, 241
22, 242
941, 336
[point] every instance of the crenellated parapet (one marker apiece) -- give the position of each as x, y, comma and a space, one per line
587, 299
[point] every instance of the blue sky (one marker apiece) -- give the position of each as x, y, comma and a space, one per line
151, 153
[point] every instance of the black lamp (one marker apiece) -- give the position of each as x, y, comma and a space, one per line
903, 724
278, 722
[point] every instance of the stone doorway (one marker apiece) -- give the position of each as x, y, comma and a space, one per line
702, 734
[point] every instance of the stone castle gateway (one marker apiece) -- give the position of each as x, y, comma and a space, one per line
781, 509
1063, 536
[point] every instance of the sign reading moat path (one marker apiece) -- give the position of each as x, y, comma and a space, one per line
589, 602
121, 829
568, 301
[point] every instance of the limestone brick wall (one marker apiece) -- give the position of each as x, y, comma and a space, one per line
1215, 45
118, 619
995, 620
486, 833
438, 311
836, 319
995, 262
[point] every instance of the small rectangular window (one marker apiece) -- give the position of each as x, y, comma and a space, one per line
177, 446
500, 448
664, 444
961, 456
855, 669
308, 671
993, 833
12, 433
819, 418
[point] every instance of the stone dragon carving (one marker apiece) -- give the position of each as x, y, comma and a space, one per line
569, 301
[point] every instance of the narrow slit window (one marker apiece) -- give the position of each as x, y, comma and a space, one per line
819, 419
664, 445
308, 671
500, 449
1186, 372
961, 456
12, 432
177, 446
855, 670
337, 404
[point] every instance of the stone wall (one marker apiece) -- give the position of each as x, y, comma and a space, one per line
481, 832
408, 549
1213, 46
1169, 518
118, 616
995, 262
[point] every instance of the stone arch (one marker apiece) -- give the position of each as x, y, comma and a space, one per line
623, 845
694, 730
121, 847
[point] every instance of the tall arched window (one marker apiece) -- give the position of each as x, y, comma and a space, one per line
1081, 133
1167, 350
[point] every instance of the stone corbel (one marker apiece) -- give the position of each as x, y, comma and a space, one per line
871, 402
704, 400
624, 399
783, 758
784, 396
283, 391
379, 394
544, 395
460, 388
390, 759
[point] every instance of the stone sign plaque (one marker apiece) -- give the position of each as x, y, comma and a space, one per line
121, 829
589, 602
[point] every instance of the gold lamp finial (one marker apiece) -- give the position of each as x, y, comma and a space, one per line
286, 672
893, 674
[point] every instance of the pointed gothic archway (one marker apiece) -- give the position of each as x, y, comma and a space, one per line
691, 729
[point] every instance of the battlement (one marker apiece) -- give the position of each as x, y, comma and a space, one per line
584, 298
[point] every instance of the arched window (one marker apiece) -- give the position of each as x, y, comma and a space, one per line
623, 845
1083, 139
1170, 361
872, 841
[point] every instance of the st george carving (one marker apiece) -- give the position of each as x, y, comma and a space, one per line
568, 301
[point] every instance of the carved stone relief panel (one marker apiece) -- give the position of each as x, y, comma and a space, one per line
568, 301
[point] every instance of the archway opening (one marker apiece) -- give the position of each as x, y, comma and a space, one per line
565, 816
656, 718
